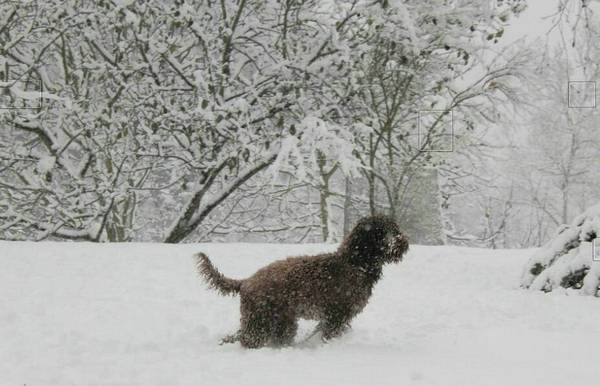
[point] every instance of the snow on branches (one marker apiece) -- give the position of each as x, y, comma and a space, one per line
156, 113
158, 98
570, 260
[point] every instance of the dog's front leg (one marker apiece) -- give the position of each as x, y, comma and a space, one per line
335, 323
333, 329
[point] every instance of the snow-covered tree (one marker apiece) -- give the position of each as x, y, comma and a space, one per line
180, 101
554, 150
424, 85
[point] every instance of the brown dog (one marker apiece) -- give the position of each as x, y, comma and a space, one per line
331, 288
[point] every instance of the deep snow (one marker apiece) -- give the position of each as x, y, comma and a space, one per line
138, 314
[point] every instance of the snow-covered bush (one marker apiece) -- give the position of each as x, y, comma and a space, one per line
567, 261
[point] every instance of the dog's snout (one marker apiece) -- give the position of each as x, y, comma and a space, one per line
389, 239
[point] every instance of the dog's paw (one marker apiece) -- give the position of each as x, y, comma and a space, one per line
229, 339
313, 340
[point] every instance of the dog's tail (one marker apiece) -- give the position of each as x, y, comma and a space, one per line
214, 278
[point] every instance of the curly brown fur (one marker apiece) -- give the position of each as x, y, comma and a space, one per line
331, 288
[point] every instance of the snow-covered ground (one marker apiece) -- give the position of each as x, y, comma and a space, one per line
137, 314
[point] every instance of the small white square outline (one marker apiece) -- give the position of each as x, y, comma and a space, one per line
494, 4
596, 250
451, 131
39, 106
395, 67
569, 94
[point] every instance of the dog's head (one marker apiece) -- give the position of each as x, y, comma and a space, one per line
375, 240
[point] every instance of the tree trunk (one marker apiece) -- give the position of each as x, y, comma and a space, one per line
195, 211
347, 206
324, 193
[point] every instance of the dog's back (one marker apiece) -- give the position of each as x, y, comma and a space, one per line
309, 284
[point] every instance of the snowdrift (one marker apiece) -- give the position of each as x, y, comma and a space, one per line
137, 314
568, 260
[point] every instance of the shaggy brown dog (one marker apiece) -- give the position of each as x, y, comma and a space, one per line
331, 288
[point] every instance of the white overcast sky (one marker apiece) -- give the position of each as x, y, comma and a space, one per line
534, 22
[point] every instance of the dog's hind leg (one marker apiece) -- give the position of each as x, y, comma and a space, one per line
255, 324
253, 334
266, 324
232, 338
284, 327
